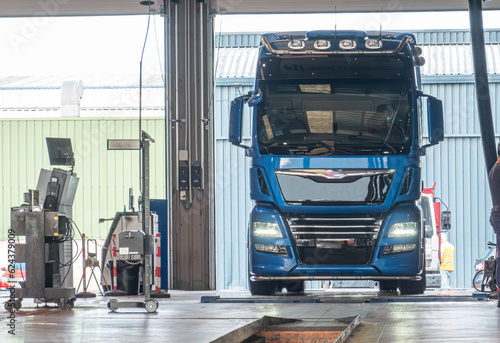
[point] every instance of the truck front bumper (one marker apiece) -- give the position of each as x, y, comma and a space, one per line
295, 278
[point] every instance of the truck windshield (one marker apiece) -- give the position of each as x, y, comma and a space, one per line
335, 117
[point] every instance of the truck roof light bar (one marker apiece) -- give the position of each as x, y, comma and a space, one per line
332, 277
404, 41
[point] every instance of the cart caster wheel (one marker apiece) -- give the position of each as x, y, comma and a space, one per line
151, 305
13, 305
65, 305
18, 304
110, 304
8, 306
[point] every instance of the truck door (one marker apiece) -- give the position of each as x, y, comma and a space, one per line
430, 233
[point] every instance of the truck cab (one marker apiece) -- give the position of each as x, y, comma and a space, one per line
336, 152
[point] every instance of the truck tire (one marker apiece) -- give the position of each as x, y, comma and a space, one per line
388, 285
262, 287
413, 287
294, 286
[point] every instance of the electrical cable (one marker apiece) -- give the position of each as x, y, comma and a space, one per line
68, 264
73, 258
158, 50
140, 96
72, 222
70, 234
184, 202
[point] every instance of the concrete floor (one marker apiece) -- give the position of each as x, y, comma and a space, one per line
457, 317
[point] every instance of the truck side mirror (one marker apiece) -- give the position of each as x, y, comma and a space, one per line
445, 220
435, 120
255, 99
428, 231
236, 121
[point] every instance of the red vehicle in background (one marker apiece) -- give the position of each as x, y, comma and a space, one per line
19, 275
435, 221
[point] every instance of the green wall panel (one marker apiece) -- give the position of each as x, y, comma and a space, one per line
105, 176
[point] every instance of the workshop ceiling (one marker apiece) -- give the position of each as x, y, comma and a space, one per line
302, 6
28, 8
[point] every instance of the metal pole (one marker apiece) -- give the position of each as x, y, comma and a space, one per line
158, 263
481, 81
167, 46
147, 215
195, 73
115, 278
84, 268
209, 148
202, 92
187, 95
176, 57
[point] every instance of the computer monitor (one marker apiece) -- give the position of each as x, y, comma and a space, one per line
60, 152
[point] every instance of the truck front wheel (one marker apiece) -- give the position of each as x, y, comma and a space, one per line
294, 286
413, 287
388, 285
262, 287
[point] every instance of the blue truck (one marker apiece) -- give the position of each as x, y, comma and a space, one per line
336, 150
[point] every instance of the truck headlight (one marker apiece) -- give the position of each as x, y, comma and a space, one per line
405, 229
398, 249
266, 229
271, 248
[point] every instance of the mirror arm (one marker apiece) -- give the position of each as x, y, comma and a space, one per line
239, 145
244, 97
425, 146
420, 93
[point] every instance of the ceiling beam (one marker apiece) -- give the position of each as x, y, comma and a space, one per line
58, 8
44, 8
340, 6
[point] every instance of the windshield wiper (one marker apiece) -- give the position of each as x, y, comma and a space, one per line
327, 146
375, 140
302, 148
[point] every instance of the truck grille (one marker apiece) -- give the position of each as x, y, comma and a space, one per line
334, 240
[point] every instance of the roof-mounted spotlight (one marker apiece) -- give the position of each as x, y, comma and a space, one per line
322, 44
296, 44
373, 44
347, 44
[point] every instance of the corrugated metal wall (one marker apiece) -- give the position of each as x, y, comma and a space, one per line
232, 196
105, 176
456, 165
